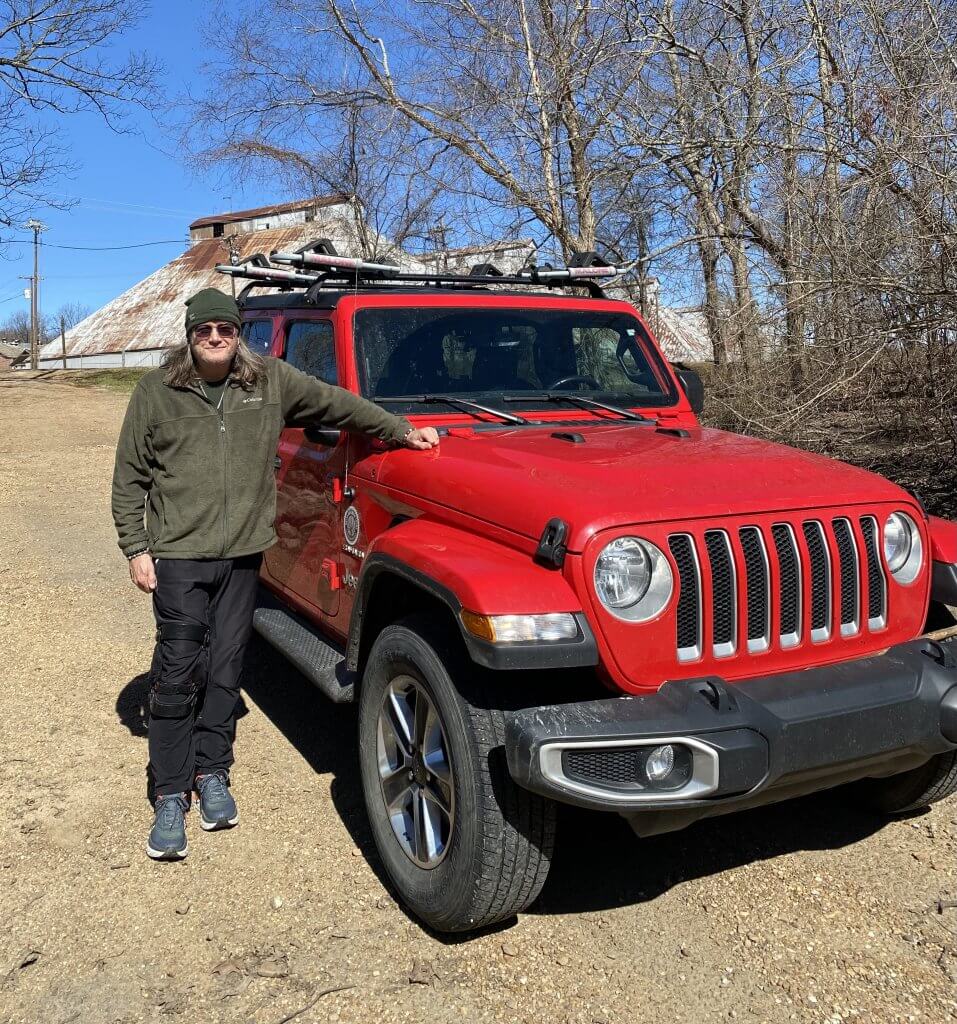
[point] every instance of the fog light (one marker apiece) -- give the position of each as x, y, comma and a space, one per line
660, 763
668, 766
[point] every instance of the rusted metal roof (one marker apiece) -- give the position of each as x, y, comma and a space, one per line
266, 211
683, 335
150, 314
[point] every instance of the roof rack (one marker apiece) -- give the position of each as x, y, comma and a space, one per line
332, 271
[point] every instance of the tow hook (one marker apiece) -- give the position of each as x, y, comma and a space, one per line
940, 653
716, 694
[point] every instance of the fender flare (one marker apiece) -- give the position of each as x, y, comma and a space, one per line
454, 568
943, 546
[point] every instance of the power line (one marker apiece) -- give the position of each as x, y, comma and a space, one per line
131, 206
113, 248
94, 248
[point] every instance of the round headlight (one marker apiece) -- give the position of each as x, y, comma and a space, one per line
903, 550
897, 541
623, 573
633, 579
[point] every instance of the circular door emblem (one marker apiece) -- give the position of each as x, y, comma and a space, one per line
350, 525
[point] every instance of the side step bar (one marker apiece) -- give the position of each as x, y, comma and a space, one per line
321, 660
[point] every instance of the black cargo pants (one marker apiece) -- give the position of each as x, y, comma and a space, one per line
204, 613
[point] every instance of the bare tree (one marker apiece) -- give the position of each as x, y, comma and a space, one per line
788, 165
69, 315
52, 63
394, 178
507, 108
15, 330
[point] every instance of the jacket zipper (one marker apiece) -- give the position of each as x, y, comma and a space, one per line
220, 413
225, 444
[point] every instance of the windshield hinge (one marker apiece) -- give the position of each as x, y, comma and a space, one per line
551, 549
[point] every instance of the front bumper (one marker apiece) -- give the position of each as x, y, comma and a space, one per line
751, 743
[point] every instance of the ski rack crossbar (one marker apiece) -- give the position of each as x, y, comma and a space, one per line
533, 275
333, 271
267, 274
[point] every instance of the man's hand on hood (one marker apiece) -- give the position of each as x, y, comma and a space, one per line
422, 439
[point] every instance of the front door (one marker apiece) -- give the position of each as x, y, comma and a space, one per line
305, 557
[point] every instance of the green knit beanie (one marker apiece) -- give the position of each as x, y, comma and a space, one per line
211, 304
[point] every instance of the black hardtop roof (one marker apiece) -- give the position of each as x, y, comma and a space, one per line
330, 299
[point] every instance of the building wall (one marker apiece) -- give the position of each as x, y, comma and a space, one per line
272, 221
105, 360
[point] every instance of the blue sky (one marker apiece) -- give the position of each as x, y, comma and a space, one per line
130, 188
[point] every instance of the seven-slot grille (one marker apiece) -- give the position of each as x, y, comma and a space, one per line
791, 574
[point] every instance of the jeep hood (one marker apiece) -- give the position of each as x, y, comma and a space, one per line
622, 474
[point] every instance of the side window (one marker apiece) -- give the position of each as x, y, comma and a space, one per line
258, 336
310, 348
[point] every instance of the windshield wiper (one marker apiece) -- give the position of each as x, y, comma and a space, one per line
586, 403
459, 403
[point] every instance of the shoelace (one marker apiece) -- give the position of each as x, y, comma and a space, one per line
213, 786
168, 808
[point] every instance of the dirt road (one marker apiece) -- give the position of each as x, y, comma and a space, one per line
811, 911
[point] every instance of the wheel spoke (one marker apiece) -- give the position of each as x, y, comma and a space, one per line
428, 828
440, 793
423, 712
395, 789
438, 765
399, 718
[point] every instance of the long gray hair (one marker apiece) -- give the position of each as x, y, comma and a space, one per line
248, 370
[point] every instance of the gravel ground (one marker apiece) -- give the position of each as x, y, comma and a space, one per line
811, 911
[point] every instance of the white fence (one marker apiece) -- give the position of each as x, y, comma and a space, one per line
106, 360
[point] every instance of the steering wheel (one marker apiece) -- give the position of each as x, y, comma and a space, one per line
576, 379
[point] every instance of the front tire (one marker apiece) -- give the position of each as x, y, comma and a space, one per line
464, 846
913, 790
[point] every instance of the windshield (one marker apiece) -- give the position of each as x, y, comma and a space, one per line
491, 352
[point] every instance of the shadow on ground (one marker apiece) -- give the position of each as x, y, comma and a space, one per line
620, 869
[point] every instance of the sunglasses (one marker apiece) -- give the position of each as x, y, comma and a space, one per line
205, 331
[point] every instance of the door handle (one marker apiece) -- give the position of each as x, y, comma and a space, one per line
325, 436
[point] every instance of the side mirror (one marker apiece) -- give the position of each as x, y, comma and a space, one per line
322, 435
692, 385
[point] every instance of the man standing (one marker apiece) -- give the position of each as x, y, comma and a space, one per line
196, 450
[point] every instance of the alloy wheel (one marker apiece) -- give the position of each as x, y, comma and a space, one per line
415, 772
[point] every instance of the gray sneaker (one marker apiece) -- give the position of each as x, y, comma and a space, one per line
217, 808
167, 840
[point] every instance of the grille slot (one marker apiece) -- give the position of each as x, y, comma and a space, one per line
850, 577
789, 582
758, 580
724, 595
688, 624
876, 583
816, 554
820, 564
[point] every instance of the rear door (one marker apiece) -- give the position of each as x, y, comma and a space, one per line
304, 560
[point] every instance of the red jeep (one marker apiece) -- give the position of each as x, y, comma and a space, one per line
582, 596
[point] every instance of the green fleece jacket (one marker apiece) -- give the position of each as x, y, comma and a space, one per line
205, 476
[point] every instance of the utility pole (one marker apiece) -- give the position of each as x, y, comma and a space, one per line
36, 227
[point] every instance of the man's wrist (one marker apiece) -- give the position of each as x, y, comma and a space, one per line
135, 553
